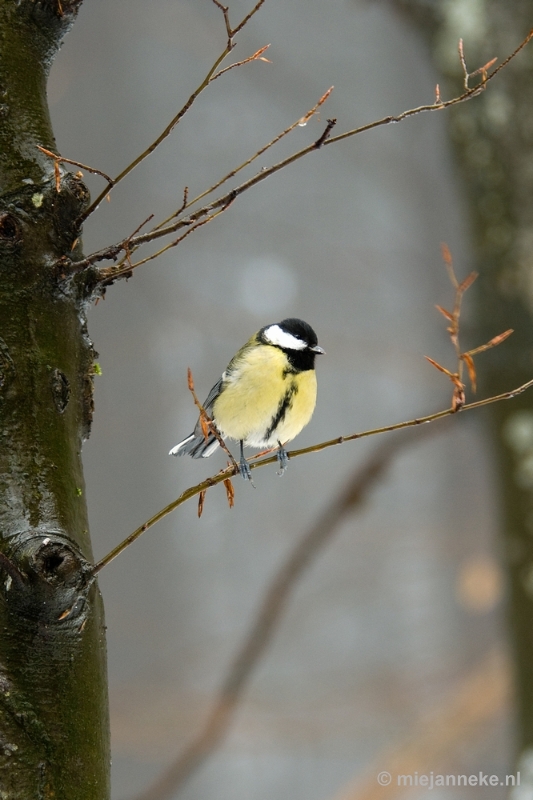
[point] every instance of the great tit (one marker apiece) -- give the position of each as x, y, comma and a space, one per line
266, 395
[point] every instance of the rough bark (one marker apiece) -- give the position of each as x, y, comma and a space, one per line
493, 140
54, 738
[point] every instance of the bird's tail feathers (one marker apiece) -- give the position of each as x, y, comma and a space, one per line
196, 446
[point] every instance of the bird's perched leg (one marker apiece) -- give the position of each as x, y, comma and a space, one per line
283, 458
244, 467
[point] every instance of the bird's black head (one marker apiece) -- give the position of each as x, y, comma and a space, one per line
296, 338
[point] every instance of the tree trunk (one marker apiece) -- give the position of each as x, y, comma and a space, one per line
493, 139
54, 739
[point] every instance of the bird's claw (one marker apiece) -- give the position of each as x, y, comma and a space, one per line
245, 471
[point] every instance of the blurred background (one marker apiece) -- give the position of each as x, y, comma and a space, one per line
391, 650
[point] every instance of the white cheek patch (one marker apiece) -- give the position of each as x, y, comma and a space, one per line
275, 335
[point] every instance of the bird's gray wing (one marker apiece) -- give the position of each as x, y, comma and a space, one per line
213, 394
208, 405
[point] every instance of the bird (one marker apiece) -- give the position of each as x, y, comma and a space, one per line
266, 394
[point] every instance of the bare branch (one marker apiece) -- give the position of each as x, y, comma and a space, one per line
247, 18
322, 139
463, 63
467, 95
181, 113
206, 420
454, 317
62, 159
493, 343
167, 131
255, 57
193, 491
111, 274
158, 232
112, 250
225, 11
185, 201
299, 123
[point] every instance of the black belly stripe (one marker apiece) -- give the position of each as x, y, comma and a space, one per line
283, 407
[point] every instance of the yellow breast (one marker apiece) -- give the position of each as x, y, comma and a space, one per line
261, 403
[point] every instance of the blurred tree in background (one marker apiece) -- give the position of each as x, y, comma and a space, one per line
493, 142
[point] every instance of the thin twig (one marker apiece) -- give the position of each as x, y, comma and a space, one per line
225, 11
271, 609
315, 448
255, 57
479, 71
454, 319
322, 139
128, 250
103, 254
463, 63
183, 205
185, 201
110, 252
301, 122
247, 18
62, 159
162, 136
206, 420
181, 113
111, 274
473, 92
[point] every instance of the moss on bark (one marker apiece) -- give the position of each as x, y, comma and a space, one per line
54, 739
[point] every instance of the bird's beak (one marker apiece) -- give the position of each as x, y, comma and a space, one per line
318, 350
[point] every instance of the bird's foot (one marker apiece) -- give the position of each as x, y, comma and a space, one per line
244, 470
283, 459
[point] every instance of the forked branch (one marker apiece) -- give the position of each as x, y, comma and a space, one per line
194, 217
211, 75
453, 318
